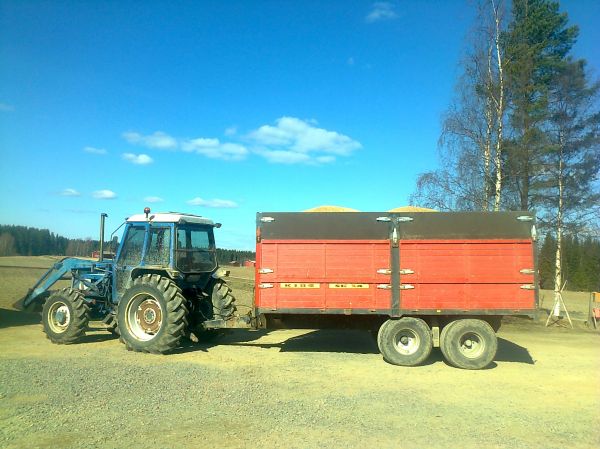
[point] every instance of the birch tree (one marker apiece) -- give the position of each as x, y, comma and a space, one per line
470, 146
571, 197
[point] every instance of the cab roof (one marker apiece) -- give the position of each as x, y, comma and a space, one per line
170, 217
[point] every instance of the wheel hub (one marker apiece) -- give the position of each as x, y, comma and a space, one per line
407, 342
59, 317
149, 316
62, 316
472, 345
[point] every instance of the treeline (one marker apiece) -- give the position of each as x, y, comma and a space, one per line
580, 266
28, 241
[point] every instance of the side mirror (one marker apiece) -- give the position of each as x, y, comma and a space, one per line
218, 225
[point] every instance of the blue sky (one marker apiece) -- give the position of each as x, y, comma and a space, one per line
225, 108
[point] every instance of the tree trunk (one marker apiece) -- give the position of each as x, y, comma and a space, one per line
499, 110
559, 229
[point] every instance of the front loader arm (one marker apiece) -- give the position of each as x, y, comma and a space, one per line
54, 274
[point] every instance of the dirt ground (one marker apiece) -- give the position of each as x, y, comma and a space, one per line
291, 388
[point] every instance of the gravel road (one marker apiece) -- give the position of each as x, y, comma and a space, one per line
295, 389
290, 389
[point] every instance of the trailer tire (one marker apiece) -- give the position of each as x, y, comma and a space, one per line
222, 300
152, 315
405, 342
65, 316
469, 343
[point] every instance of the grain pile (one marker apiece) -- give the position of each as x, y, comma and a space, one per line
331, 209
412, 209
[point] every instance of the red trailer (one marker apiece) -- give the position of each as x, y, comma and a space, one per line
417, 280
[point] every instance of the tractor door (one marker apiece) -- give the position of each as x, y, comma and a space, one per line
129, 256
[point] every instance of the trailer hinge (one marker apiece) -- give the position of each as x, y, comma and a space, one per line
267, 219
527, 271
404, 219
525, 218
406, 287
395, 237
528, 287
383, 219
384, 286
264, 270
388, 271
265, 285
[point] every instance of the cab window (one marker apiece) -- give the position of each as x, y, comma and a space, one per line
195, 249
131, 252
159, 242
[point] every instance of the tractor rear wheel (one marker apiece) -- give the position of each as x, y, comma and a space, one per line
65, 316
152, 315
222, 300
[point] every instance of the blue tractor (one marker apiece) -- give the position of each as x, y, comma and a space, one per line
163, 283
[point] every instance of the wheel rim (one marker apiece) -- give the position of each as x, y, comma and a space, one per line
59, 317
144, 316
471, 345
407, 341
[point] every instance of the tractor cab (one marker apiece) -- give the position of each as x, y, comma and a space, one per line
180, 246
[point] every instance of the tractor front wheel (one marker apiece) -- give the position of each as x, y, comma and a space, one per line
65, 316
152, 315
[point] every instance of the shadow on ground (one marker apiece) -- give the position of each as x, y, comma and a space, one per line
512, 352
10, 318
350, 342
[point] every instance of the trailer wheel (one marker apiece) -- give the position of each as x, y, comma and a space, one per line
65, 316
152, 315
469, 343
222, 300
405, 342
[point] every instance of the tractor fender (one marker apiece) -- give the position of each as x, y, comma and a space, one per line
220, 273
139, 271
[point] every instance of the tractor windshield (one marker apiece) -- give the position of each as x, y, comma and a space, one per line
195, 249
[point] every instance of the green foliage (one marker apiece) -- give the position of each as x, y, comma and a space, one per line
536, 44
580, 263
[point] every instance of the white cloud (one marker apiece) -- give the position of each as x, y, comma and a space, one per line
4, 107
70, 192
93, 150
293, 140
104, 194
216, 203
284, 157
231, 131
158, 140
138, 159
382, 11
215, 149
153, 199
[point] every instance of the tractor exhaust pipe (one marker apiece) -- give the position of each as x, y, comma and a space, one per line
101, 254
